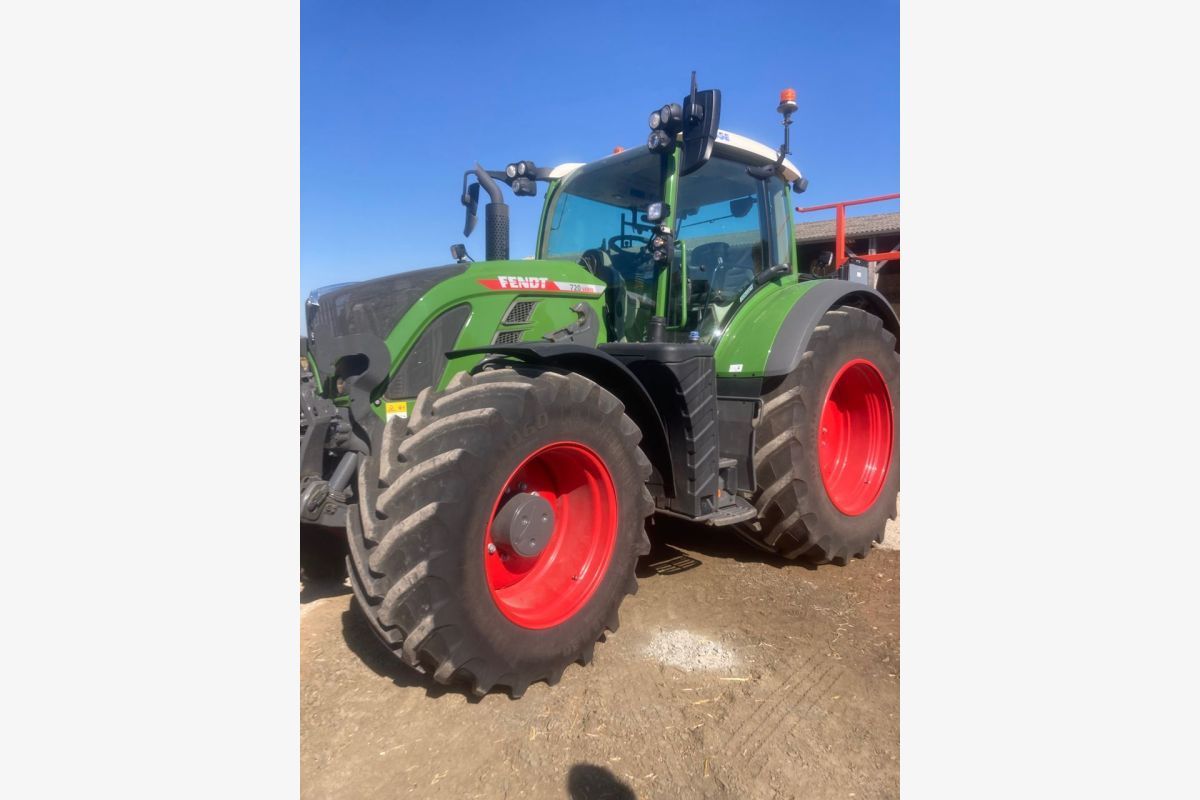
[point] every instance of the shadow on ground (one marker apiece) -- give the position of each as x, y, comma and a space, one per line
669, 536
589, 782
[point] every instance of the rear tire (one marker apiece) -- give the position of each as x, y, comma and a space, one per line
809, 505
420, 535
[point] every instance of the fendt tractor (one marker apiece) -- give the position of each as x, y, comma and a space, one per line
492, 436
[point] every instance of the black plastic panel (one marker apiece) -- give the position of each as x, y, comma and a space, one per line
682, 381
426, 361
739, 404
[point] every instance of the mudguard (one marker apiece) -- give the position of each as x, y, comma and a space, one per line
614, 376
791, 339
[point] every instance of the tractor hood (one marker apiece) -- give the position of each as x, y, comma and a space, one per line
392, 334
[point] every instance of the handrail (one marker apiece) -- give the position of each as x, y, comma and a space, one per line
839, 244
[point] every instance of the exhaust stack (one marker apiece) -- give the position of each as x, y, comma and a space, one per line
495, 217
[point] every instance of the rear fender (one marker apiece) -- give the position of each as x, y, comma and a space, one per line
791, 340
768, 336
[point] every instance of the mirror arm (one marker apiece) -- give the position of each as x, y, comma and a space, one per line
489, 185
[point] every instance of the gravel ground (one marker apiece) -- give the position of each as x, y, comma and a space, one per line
733, 675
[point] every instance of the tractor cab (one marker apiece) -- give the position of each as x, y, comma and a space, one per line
730, 227
681, 231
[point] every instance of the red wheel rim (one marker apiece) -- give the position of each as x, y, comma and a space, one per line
547, 589
855, 448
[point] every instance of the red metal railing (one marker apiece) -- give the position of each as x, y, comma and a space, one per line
839, 254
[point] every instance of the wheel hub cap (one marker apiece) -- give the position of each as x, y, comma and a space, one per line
524, 524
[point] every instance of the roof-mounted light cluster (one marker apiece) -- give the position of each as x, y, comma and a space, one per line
520, 175
665, 123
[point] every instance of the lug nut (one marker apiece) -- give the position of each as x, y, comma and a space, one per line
491, 549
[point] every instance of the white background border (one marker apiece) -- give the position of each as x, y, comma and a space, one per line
149, 182
149, 175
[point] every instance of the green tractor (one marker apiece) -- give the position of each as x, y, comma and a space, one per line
493, 436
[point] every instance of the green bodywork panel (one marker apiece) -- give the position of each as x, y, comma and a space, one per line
746, 341
490, 288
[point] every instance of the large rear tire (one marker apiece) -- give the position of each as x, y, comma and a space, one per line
827, 457
434, 562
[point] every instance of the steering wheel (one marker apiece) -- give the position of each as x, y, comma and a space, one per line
593, 261
613, 241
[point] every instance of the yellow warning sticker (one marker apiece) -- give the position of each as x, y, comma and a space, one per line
397, 409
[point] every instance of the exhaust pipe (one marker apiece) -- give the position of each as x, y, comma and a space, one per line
495, 217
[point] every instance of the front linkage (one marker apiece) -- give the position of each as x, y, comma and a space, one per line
325, 433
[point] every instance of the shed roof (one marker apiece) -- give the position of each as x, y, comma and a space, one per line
856, 227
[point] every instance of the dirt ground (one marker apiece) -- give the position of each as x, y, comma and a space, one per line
734, 674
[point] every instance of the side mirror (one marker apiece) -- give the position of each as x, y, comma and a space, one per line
701, 120
741, 206
470, 199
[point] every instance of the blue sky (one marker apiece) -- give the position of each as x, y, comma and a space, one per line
398, 99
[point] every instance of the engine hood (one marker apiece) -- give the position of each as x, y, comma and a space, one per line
372, 307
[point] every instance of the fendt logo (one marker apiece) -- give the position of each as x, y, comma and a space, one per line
509, 282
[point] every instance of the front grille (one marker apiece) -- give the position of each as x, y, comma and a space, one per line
519, 312
374, 307
507, 337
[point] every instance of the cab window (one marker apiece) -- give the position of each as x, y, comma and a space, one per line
723, 221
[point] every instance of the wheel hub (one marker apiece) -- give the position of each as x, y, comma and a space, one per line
524, 524
855, 446
551, 535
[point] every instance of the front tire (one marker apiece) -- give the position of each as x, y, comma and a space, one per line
827, 455
442, 588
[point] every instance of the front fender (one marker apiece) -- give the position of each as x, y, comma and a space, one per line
604, 369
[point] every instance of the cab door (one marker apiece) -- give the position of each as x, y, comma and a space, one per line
734, 226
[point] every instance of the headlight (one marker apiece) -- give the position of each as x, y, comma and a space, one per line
671, 117
511, 170
655, 120
660, 142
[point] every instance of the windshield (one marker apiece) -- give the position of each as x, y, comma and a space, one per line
597, 219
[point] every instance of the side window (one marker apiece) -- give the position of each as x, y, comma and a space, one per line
781, 221
722, 220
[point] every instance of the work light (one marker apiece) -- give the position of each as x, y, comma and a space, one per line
660, 142
671, 117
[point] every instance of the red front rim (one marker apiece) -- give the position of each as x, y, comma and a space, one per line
547, 589
856, 437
